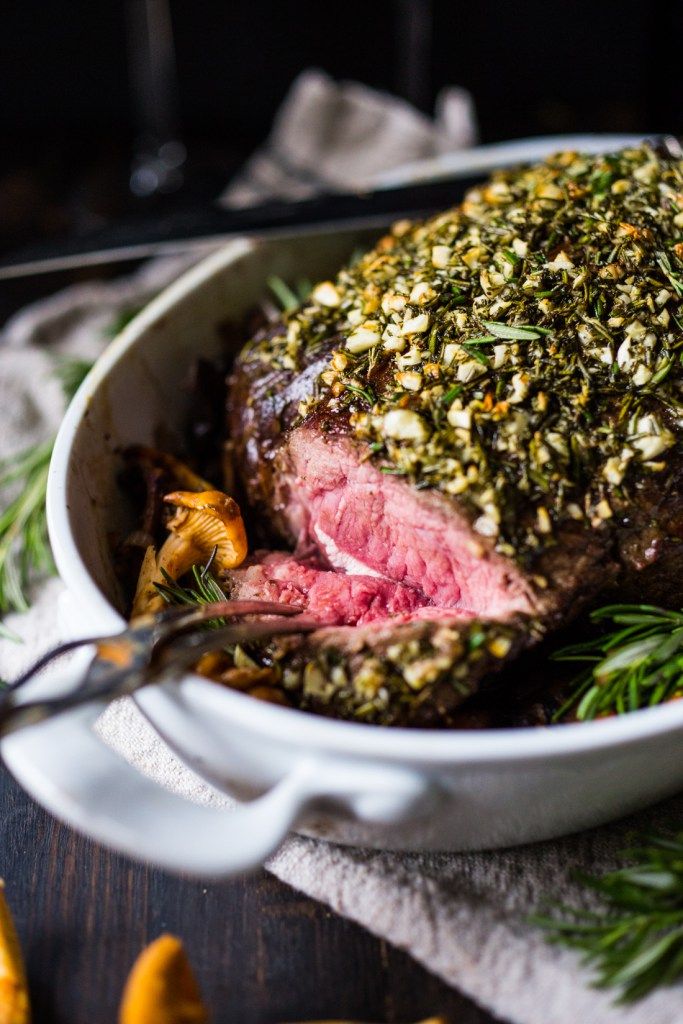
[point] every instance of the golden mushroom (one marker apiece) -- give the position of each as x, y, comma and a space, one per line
161, 988
204, 522
14, 1003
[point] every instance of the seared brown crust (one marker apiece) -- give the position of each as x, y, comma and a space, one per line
649, 540
262, 407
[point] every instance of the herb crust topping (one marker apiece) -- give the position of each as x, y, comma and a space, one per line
522, 351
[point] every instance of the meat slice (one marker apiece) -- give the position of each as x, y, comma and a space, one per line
332, 598
366, 521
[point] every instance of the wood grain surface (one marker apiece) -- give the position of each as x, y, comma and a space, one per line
262, 952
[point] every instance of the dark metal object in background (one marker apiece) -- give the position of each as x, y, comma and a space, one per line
196, 228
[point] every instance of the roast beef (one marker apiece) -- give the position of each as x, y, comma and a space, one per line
332, 598
471, 433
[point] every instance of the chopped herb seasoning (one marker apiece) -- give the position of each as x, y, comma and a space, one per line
532, 334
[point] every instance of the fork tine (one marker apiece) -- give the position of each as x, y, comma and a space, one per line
222, 609
146, 650
165, 625
183, 651
45, 659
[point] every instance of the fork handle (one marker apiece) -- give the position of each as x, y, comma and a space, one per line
65, 765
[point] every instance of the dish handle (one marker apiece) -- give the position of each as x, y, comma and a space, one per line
64, 765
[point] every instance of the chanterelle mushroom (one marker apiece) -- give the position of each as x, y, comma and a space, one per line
204, 521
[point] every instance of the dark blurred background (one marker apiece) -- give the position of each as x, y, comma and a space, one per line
90, 89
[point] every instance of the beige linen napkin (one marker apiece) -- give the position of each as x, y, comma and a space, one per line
464, 916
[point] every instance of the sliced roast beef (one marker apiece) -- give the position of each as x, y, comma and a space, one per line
471, 433
332, 598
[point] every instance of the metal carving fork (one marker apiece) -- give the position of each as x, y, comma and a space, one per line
153, 647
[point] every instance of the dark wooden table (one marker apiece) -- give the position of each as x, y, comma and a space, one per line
261, 951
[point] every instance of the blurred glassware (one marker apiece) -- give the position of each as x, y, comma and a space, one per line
159, 159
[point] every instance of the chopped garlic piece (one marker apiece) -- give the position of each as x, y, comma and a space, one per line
469, 370
543, 521
393, 303
326, 294
411, 358
422, 293
614, 470
459, 417
441, 255
415, 324
451, 351
642, 375
651, 438
500, 646
561, 262
485, 526
410, 380
392, 339
603, 509
405, 425
520, 388
364, 337
340, 361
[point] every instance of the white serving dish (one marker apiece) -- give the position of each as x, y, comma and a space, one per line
346, 782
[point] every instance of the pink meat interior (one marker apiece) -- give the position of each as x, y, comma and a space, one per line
370, 546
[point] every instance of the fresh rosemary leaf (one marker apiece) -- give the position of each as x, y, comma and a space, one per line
288, 297
204, 589
475, 353
635, 942
122, 320
482, 339
636, 661
24, 546
366, 393
451, 394
71, 374
665, 266
507, 331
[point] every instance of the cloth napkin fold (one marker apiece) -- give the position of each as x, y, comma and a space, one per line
464, 916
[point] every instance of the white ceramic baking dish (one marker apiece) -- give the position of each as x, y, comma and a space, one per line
346, 782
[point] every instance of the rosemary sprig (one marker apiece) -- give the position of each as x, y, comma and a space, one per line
24, 546
636, 942
636, 662
290, 298
366, 393
204, 589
